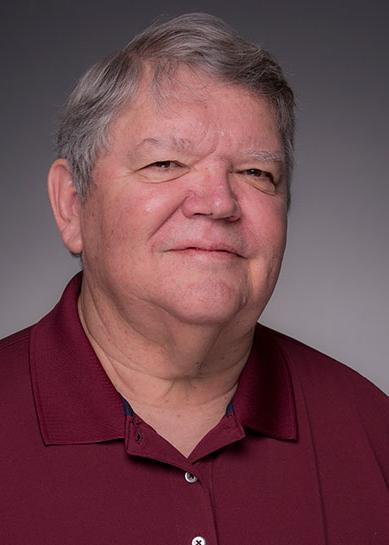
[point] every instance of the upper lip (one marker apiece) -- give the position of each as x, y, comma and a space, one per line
208, 246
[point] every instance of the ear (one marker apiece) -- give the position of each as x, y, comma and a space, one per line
66, 205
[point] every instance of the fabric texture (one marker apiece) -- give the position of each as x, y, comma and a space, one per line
300, 458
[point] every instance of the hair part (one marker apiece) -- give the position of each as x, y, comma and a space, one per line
197, 40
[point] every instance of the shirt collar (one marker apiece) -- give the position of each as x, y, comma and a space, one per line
264, 400
76, 402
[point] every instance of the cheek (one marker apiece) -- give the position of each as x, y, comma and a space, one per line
103, 226
266, 220
158, 202
274, 234
269, 239
131, 219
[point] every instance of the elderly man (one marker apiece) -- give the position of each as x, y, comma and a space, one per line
148, 407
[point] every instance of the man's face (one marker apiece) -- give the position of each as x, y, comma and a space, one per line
187, 215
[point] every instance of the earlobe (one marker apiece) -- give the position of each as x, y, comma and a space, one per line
66, 205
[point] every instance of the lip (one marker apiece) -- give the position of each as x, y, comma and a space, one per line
211, 249
206, 256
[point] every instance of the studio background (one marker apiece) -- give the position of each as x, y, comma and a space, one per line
333, 291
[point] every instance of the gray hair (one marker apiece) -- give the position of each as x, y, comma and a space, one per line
198, 40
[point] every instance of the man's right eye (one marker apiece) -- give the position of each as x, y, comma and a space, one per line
162, 171
163, 164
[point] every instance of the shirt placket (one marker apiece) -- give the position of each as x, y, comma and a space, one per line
193, 506
191, 510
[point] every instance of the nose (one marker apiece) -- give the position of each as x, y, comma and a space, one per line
211, 195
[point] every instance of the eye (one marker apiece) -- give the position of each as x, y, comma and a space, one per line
162, 171
258, 173
164, 165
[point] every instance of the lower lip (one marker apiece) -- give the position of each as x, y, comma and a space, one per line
207, 254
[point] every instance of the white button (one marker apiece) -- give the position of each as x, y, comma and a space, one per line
198, 541
190, 478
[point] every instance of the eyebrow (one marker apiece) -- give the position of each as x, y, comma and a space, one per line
184, 144
264, 155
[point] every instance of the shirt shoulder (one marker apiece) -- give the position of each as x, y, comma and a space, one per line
14, 369
336, 398
320, 371
14, 348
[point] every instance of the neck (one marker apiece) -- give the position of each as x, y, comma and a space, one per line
168, 371
142, 353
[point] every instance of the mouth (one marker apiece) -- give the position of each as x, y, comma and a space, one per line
208, 251
199, 249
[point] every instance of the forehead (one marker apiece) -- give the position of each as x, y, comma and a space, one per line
194, 106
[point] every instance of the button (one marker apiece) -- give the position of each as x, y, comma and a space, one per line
190, 478
198, 541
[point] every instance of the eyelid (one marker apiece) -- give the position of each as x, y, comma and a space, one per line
265, 181
158, 164
164, 170
262, 173
260, 170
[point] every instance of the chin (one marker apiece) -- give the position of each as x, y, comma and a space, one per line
205, 307
205, 317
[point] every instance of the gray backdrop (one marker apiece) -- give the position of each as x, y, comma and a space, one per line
333, 291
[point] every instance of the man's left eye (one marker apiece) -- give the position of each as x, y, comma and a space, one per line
258, 173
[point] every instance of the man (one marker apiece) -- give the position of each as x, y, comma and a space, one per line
149, 407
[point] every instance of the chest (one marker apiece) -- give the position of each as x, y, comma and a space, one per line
254, 491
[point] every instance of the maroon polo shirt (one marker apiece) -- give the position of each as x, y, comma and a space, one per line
300, 458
